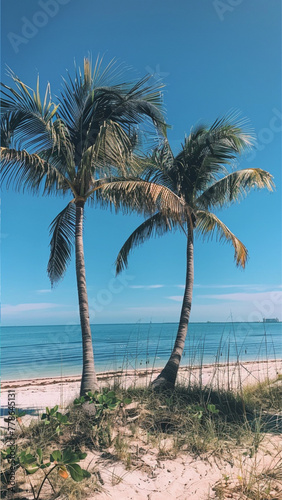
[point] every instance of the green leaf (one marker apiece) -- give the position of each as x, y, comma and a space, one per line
40, 454
27, 458
127, 401
112, 406
212, 409
79, 401
75, 472
56, 456
5, 453
69, 456
20, 413
32, 471
86, 474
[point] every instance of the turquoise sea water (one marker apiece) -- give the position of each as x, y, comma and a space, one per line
42, 351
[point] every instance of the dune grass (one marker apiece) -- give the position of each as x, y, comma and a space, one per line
193, 419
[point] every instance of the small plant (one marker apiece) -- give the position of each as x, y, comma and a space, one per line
66, 462
107, 401
199, 411
122, 450
53, 416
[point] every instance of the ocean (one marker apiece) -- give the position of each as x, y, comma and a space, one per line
43, 351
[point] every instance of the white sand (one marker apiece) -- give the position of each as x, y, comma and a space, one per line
38, 393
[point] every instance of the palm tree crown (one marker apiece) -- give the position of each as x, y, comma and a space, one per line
199, 177
76, 146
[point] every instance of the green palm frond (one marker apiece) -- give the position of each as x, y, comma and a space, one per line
30, 171
234, 186
61, 154
85, 106
157, 225
156, 168
92, 134
145, 99
31, 115
207, 224
206, 152
62, 230
8, 125
234, 130
112, 151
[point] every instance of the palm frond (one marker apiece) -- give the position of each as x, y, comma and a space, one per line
157, 167
206, 152
208, 224
86, 105
112, 150
31, 116
143, 196
61, 154
62, 230
8, 125
234, 186
30, 171
157, 225
235, 130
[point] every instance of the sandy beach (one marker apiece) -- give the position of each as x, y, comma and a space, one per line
49, 391
152, 477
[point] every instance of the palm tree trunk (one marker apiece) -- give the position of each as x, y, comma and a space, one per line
168, 375
89, 379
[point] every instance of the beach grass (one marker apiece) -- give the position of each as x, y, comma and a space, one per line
232, 423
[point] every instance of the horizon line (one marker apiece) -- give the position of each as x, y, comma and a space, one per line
145, 323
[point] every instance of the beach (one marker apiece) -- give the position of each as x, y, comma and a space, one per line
152, 476
35, 394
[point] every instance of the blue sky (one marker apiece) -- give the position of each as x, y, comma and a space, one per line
213, 56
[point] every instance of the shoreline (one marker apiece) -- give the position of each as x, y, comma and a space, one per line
140, 373
36, 394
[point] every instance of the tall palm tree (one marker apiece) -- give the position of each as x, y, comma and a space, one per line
72, 149
198, 175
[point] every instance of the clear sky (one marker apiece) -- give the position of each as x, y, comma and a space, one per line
213, 56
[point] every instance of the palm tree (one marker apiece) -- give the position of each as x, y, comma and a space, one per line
72, 149
198, 175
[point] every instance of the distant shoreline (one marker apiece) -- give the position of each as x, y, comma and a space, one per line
151, 323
